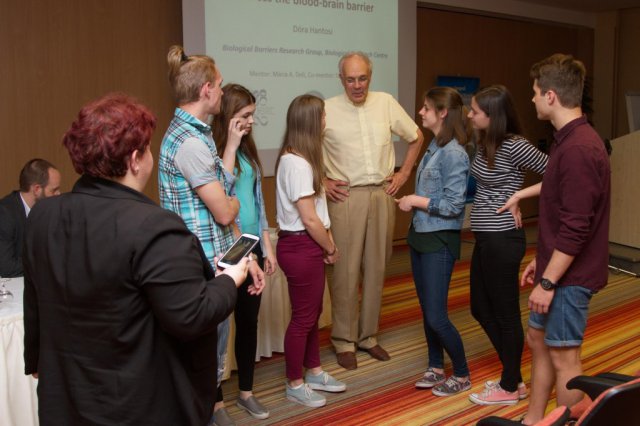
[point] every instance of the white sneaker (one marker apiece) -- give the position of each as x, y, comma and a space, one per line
324, 382
495, 395
523, 392
305, 396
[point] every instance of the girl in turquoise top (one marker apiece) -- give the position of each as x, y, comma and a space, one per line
232, 133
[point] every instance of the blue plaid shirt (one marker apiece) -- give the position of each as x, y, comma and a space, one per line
177, 195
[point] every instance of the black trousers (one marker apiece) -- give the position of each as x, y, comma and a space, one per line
246, 341
495, 297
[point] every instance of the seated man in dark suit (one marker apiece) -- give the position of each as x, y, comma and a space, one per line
38, 179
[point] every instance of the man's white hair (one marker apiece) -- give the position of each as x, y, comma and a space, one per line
351, 54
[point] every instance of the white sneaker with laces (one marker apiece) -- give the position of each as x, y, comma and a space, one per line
495, 395
324, 382
523, 392
306, 396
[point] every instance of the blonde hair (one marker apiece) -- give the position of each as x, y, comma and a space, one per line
303, 135
187, 74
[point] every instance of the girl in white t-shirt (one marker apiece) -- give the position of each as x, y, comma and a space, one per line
305, 244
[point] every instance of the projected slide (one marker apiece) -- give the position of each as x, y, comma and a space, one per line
280, 49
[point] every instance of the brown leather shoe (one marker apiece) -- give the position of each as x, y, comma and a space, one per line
347, 360
378, 353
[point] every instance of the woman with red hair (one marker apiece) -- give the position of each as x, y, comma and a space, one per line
120, 309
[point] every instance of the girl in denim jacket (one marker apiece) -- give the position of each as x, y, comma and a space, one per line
434, 235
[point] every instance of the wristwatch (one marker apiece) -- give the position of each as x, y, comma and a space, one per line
548, 284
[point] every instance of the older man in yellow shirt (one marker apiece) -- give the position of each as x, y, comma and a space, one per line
360, 184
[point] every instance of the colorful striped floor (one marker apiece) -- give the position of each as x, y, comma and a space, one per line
383, 393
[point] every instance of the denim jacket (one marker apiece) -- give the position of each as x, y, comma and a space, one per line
444, 182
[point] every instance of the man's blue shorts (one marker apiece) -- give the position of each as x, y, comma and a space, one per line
566, 320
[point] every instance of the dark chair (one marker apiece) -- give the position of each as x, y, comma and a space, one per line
593, 386
615, 402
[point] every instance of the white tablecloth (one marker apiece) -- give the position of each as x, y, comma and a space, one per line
18, 399
274, 316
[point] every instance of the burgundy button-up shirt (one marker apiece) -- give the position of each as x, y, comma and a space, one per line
574, 206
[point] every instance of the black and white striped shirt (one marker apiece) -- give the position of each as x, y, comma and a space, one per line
497, 185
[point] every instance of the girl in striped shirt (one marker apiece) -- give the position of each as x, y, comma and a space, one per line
499, 169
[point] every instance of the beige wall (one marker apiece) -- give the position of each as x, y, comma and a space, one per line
624, 226
57, 55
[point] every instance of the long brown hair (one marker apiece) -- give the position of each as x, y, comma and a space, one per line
235, 98
455, 124
496, 102
303, 135
187, 74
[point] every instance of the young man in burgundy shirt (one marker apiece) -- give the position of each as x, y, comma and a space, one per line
573, 251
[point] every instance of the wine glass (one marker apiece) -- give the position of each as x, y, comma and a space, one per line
5, 295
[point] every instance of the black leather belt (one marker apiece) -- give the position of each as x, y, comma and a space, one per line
282, 233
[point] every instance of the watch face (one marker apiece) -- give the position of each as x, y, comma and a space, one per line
547, 284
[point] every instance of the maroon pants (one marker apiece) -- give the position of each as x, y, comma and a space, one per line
300, 258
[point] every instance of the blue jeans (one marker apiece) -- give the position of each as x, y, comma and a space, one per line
565, 323
431, 275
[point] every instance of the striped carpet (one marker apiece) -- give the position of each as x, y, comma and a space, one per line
384, 393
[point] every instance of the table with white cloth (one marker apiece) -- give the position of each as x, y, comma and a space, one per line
18, 398
274, 316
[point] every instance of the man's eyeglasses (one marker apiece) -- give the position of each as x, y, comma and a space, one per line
352, 80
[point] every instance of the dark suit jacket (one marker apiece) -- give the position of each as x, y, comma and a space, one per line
12, 221
120, 321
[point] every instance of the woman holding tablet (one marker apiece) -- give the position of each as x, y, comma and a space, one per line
121, 306
305, 245
234, 141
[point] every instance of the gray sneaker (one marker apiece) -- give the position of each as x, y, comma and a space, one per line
305, 396
324, 382
222, 418
252, 406
451, 387
430, 379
